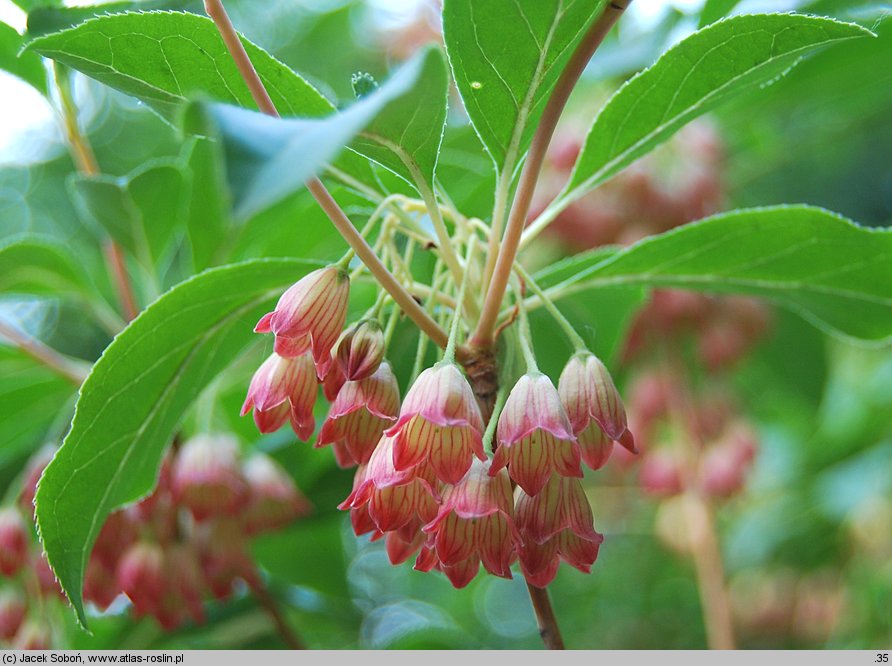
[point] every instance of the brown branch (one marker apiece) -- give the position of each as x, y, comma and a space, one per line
317, 189
85, 160
548, 626
483, 335
271, 606
47, 356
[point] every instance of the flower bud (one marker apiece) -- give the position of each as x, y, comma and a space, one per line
555, 525
14, 541
535, 436
361, 350
474, 524
440, 423
594, 408
360, 413
309, 316
206, 476
283, 389
12, 613
141, 576
274, 500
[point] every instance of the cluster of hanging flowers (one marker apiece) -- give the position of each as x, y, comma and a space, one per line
185, 543
425, 479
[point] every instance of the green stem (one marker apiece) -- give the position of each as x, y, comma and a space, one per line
575, 339
525, 335
317, 189
495, 291
457, 316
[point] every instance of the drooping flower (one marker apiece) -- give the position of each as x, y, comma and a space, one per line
100, 584
401, 544
14, 541
283, 389
361, 350
440, 423
181, 598
475, 524
361, 412
273, 498
33, 472
309, 316
392, 497
206, 476
222, 550
594, 408
141, 576
12, 613
556, 524
535, 436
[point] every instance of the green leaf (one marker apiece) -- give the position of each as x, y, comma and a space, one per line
713, 10
405, 136
164, 57
31, 264
46, 19
135, 397
27, 66
143, 211
696, 75
207, 217
32, 397
274, 156
506, 56
836, 274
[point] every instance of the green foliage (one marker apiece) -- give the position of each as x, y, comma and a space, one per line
26, 66
163, 58
707, 68
31, 264
276, 156
826, 268
136, 396
506, 56
32, 396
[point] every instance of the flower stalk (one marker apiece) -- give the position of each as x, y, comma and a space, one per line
317, 189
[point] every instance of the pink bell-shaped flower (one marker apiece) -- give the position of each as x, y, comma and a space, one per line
141, 576
206, 476
309, 316
361, 350
594, 408
361, 412
440, 423
556, 524
14, 541
283, 389
475, 524
393, 497
12, 613
273, 498
535, 436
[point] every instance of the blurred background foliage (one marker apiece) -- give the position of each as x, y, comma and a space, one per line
807, 539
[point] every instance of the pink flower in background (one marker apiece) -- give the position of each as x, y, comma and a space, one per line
206, 476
